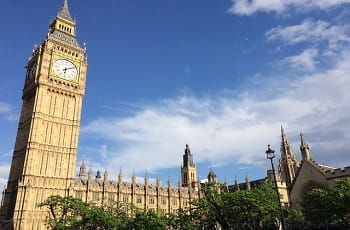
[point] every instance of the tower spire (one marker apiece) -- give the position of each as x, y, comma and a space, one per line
288, 164
304, 148
64, 12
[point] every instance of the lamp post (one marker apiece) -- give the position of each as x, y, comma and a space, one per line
270, 154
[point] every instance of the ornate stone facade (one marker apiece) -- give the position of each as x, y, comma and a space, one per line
302, 176
45, 152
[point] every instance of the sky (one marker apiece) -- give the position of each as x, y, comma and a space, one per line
221, 75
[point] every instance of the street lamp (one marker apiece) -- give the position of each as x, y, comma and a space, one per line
270, 154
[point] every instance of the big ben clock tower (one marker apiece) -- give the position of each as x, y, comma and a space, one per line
45, 151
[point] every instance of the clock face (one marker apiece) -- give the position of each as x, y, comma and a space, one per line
31, 70
65, 69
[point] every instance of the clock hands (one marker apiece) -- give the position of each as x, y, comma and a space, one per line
65, 69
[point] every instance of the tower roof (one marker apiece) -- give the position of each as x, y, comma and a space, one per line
64, 12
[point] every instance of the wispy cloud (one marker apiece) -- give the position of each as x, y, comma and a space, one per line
249, 7
305, 61
321, 41
311, 31
226, 128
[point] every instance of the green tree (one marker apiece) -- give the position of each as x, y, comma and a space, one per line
147, 220
328, 207
243, 209
295, 219
68, 212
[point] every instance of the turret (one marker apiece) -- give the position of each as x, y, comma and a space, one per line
237, 184
188, 169
146, 179
105, 175
158, 181
90, 173
133, 178
98, 174
212, 178
120, 176
304, 148
82, 173
247, 181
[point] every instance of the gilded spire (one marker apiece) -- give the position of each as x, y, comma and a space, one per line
64, 12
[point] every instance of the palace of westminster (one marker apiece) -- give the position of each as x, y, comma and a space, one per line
45, 152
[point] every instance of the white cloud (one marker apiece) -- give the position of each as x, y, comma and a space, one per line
224, 128
304, 61
249, 7
311, 31
4, 172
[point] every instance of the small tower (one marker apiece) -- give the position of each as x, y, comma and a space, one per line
105, 175
98, 174
82, 173
247, 181
188, 169
237, 184
288, 164
169, 182
158, 181
133, 178
212, 178
120, 176
146, 179
304, 148
90, 173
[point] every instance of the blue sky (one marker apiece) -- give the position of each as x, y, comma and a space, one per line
220, 75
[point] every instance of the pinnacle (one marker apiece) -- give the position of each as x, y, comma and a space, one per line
64, 12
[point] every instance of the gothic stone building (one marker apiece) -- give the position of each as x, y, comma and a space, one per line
302, 176
45, 151
46, 146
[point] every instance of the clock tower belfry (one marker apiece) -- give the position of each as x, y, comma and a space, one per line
45, 151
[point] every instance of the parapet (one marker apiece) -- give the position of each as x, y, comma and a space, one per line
338, 173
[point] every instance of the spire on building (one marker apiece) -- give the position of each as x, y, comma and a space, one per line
288, 163
146, 178
188, 169
120, 176
212, 178
158, 181
82, 173
169, 182
247, 181
105, 175
304, 148
90, 173
98, 174
64, 12
133, 178
187, 157
237, 184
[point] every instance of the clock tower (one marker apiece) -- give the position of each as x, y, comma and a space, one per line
45, 151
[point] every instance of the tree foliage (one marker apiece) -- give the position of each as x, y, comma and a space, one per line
328, 207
